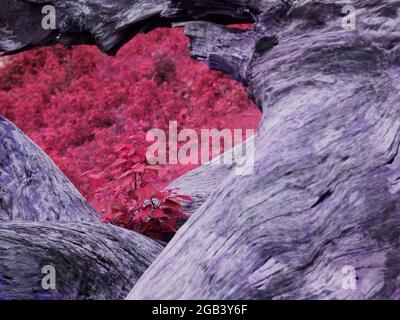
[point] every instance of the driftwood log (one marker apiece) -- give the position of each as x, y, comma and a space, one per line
45, 222
324, 196
90, 261
32, 188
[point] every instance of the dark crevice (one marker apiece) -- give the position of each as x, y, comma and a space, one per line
266, 44
322, 198
391, 160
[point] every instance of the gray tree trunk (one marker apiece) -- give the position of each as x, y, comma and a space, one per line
46, 223
320, 216
71, 260
322, 207
32, 187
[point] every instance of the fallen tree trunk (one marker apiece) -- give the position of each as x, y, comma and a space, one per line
319, 218
90, 261
32, 188
91, 22
86, 260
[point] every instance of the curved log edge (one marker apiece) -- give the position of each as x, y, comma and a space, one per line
90, 261
322, 208
108, 25
324, 197
201, 182
32, 187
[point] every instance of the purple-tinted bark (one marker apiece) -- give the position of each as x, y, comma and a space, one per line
324, 197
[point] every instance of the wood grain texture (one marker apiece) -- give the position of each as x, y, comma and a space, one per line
325, 191
91, 261
46, 222
109, 25
32, 187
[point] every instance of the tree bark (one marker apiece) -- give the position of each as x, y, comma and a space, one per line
46, 222
88, 21
32, 188
323, 204
324, 196
89, 260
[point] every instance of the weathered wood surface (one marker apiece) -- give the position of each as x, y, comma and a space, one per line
325, 192
91, 261
108, 24
32, 187
325, 195
201, 182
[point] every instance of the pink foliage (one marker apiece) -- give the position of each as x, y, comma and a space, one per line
81, 106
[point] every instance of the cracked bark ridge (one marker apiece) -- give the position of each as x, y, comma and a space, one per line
91, 261
109, 25
325, 193
201, 182
32, 187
